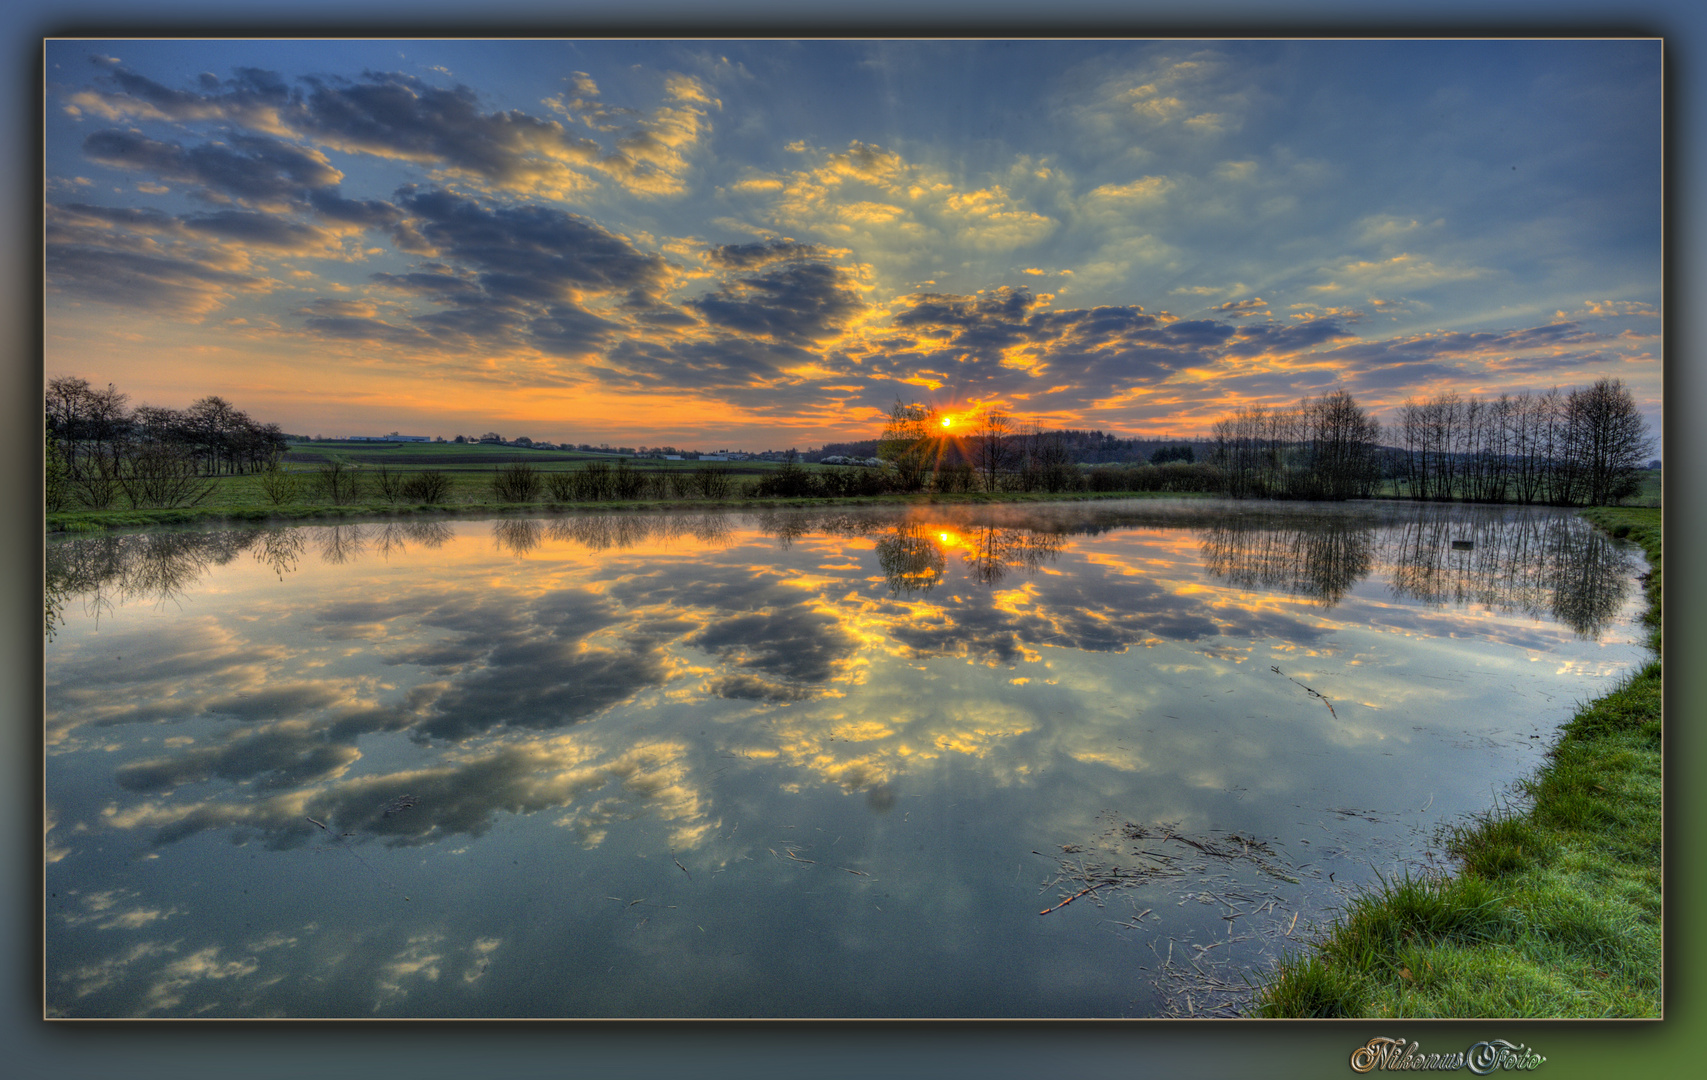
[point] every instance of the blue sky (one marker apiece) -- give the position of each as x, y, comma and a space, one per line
765, 243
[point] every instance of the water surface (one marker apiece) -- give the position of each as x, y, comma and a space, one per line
818, 764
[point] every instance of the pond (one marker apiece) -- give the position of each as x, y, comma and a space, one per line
816, 763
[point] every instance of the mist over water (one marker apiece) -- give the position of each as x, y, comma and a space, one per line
791, 763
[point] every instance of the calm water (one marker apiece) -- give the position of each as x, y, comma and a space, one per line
786, 764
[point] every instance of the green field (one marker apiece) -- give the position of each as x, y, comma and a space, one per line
1555, 908
470, 471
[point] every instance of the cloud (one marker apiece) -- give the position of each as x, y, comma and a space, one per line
873, 193
1147, 191
404, 118
254, 171
518, 276
255, 229
763, 253
651, 157
797, 303
368, 213
796, 645
1397, 273
252, 98
279, 755
143, 259
1283, 339
532, 252
1611, 309
356, 321
1237, 308
1197, 95
1085, 352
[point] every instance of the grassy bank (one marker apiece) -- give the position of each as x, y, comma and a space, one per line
1555, 909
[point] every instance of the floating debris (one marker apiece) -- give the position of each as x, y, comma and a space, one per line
1075, 896
1307, 690
1226, 870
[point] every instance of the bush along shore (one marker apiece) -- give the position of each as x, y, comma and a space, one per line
1554, 910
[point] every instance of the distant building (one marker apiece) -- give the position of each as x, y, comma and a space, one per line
393, 437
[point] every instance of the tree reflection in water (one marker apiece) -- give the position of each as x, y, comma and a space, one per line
1537, 562
340, 544
395, 537
911, 558
1322, 560
991, 553
116, 568
1540, 564
517, 536
280, 549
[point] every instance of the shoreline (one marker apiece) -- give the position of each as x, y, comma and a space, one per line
88, 521
1554, 911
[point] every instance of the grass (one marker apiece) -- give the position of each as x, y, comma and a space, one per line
1555, 909
470, 472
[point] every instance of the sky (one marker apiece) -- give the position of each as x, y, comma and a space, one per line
760, 244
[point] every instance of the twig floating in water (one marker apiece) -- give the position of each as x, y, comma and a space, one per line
1075, 896
682, 868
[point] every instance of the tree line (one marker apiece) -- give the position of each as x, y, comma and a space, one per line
1587, 446
1583, 446
99, 450
1325, 447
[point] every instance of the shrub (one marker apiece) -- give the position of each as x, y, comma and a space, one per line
390, 483
627, 482
847, 483
561, 486
712, 482
96, 478
956, 478
337, 482
431, 486
789, 482
679, 484
279, 485
596, 481
516, 484
160, 474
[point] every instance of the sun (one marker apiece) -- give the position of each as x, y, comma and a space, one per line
948, 421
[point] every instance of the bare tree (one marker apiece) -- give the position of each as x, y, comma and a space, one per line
84, 420
992, 447
907, 443
1609, 440
161, 474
